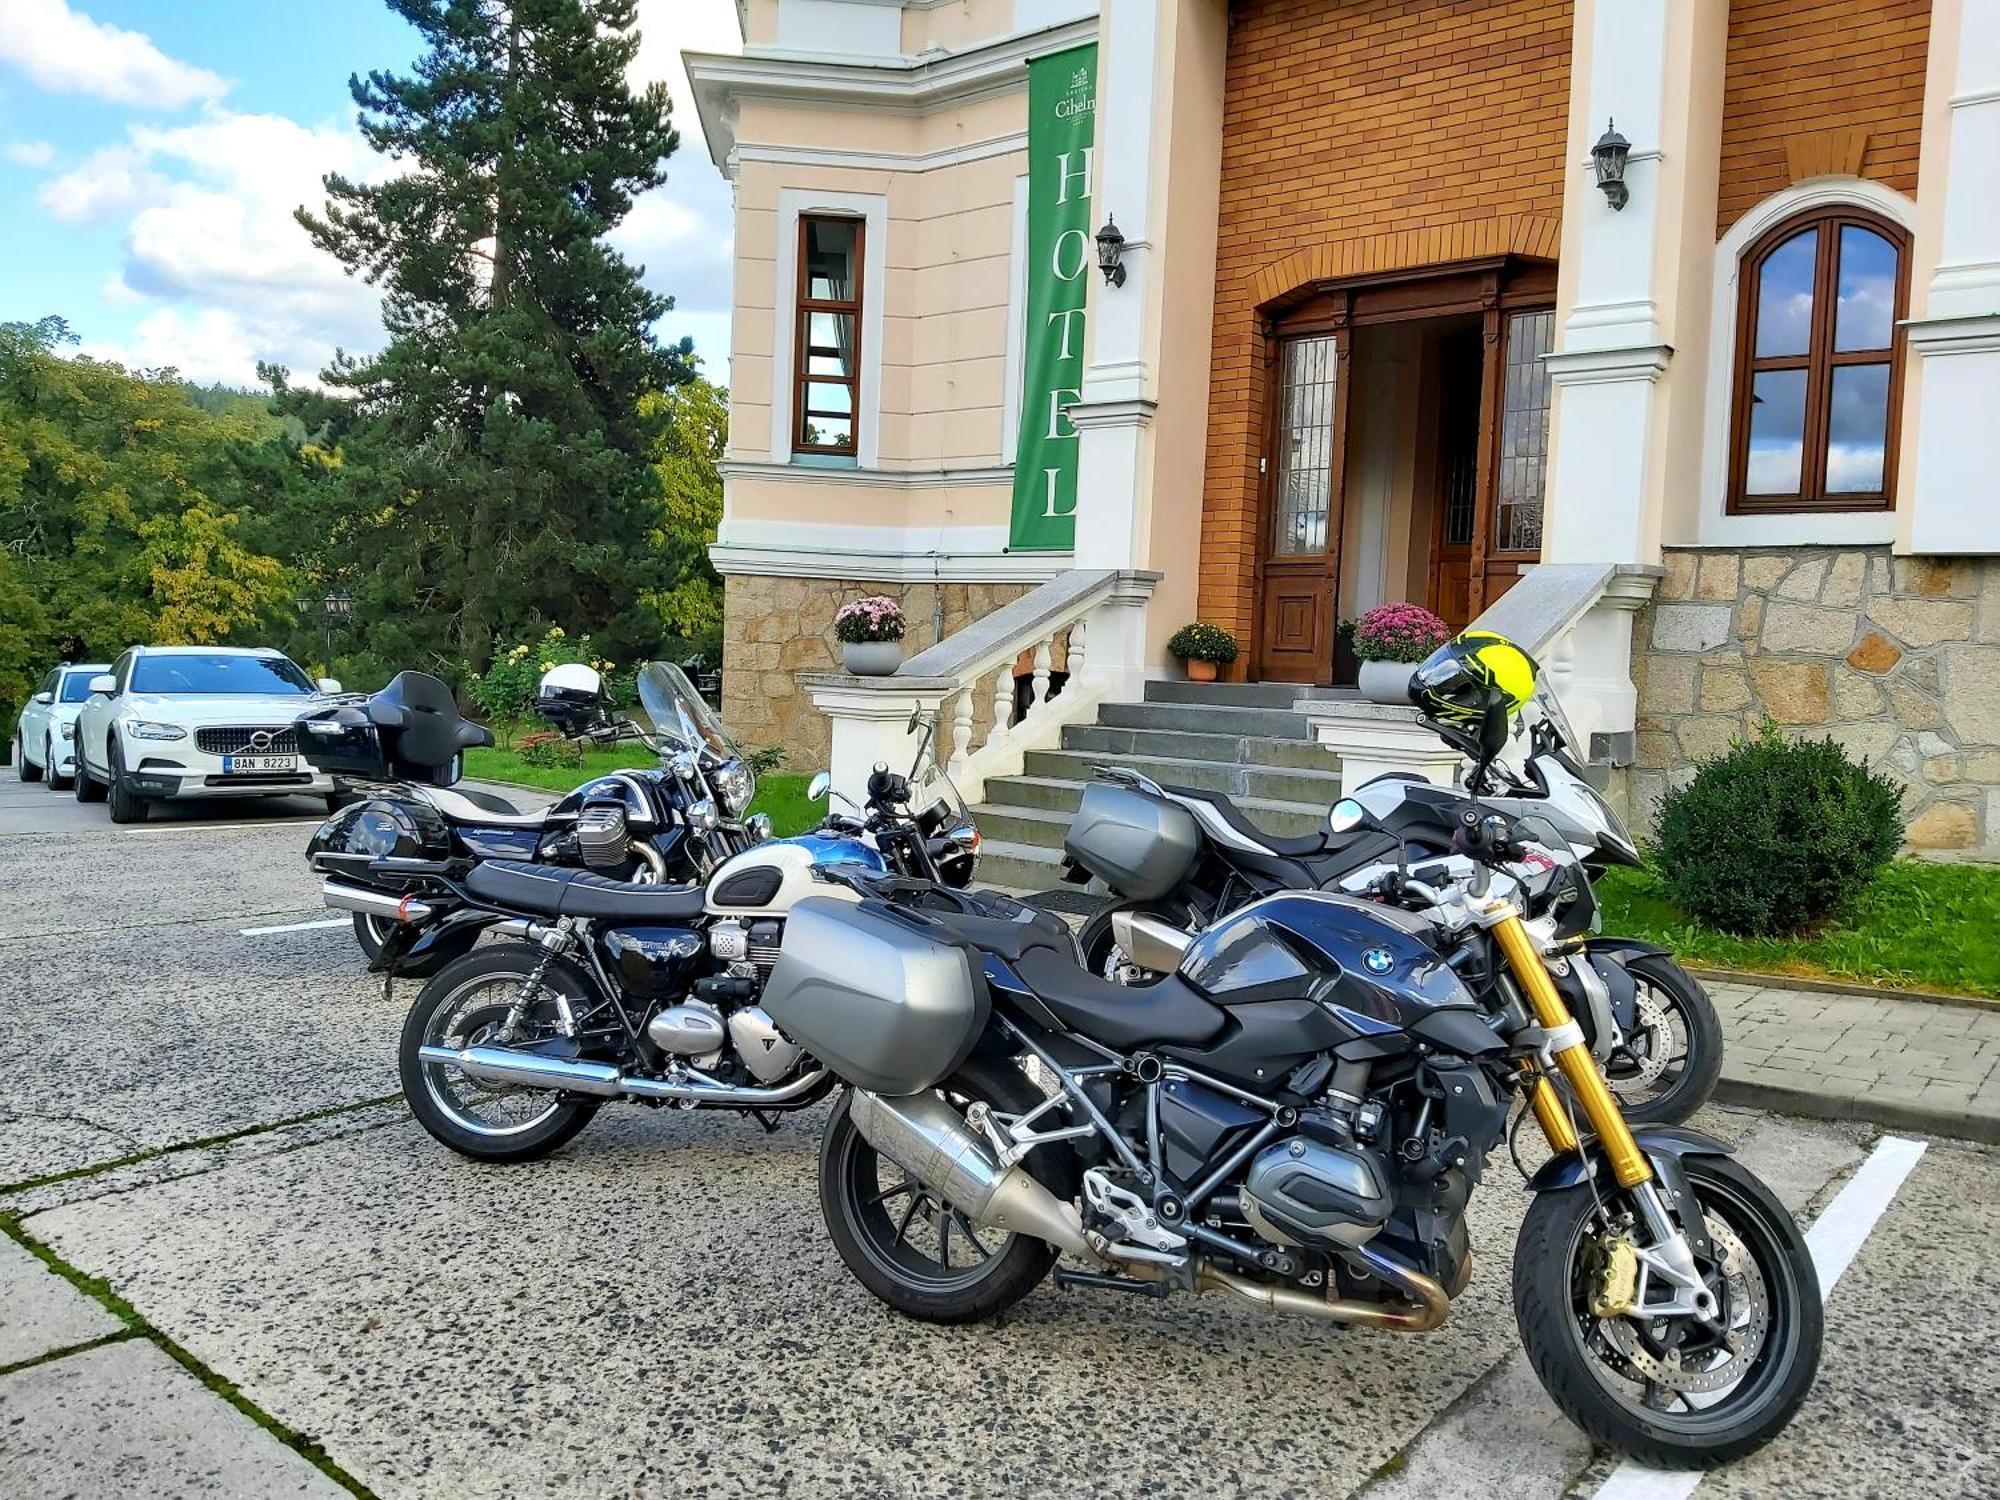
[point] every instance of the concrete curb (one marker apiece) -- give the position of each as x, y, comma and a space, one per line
1891, 1114
1836, 987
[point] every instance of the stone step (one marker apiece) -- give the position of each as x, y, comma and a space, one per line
1222, 694
1174, 744
1020, 822
1206, 718
1019, 867
1313, 788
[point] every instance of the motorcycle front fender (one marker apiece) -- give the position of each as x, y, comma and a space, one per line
1613, 957
1664, 1146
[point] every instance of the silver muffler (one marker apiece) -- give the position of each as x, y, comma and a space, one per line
1149, 942
930, 1140
343, 897
504, 1066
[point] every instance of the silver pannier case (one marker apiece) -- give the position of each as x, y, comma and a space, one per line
871, 993
1140, 846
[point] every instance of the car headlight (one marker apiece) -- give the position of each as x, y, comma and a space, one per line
69, 730
148, 729
735, 784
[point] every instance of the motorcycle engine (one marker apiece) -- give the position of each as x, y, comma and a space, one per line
693, 1029
1311, 1193
601, 836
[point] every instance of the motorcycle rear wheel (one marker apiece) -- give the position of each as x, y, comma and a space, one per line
1608, 1374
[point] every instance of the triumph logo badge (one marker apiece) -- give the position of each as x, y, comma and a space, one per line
1378, 960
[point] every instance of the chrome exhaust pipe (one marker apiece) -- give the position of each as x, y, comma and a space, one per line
1149, 942
1427, 1308
929, 1139
343, 897
502, 1065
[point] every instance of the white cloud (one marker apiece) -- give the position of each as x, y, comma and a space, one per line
35, 154
64, 51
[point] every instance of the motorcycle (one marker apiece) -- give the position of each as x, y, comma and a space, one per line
919, 821
1649, 1023
669, 824
1296, 1117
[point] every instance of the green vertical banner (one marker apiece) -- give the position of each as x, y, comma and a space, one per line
1061, 251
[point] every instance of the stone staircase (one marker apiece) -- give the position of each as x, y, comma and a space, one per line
1239, 738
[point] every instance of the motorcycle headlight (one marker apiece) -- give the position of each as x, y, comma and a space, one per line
702, 816
147, 729
758, 826
735, 784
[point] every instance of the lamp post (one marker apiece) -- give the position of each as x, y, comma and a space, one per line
331, 608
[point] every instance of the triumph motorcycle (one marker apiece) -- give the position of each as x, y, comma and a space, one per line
667, 824
1649, 1023
1296, 1117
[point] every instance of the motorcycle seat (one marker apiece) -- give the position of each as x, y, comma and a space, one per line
464, 804
1278, 844
1169, 1013
552, 891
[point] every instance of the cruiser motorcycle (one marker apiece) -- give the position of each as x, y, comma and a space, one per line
1296, 1118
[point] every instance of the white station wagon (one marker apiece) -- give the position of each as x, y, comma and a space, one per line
195, 721
45, 734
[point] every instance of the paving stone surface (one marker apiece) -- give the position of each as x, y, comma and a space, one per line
40, 1312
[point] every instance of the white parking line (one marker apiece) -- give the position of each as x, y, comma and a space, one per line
1835, 1239
292, 927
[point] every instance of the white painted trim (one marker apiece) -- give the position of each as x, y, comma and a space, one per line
873, 210
884, 161
909, 85
915, 554
1017, 317
1714, 527
737, 468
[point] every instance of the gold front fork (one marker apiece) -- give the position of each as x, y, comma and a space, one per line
1593, 1096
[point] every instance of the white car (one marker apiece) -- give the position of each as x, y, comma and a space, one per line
45, 736
195, 721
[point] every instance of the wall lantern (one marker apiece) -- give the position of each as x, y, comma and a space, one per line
1608, 157
1110, 248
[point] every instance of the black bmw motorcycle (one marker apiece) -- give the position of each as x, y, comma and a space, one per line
1296, 1117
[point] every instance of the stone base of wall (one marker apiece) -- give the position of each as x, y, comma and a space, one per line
1896, 658
773, 629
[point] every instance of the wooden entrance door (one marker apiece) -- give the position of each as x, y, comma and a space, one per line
1303, 471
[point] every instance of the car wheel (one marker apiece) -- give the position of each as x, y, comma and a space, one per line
87, 787
127, 806
26, 769
49, 763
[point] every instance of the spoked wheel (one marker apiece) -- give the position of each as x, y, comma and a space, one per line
466, 1005
1677, 1391
907, 1245
1669, 1063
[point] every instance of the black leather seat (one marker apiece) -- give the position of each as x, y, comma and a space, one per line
1163, 1014
551, 891
1286, 848
1011, 938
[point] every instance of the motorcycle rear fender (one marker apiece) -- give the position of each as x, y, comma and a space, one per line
453, 934
1665, 1147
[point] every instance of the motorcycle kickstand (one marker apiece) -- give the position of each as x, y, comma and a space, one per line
765, 1118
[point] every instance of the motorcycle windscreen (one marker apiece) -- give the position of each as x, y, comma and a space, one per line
682, 718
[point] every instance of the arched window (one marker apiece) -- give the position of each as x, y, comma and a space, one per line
1819, 364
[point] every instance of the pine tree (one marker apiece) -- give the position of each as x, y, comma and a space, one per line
501, 436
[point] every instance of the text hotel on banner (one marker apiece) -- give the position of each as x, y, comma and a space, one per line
1062, 114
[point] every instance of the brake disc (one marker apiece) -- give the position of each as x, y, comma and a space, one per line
1746, 1323
1649, 1047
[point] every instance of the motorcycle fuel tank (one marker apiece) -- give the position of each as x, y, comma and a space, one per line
625, 787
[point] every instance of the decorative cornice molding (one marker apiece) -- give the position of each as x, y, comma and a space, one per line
1085, 415
742, 468
884, 161
1646, 362
1976, 333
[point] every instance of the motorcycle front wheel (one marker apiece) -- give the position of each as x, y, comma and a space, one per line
1673, 1392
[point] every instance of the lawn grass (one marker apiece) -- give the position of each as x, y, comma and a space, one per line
782, 794
1919, 926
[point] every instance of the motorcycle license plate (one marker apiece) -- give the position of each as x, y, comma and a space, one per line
258, 765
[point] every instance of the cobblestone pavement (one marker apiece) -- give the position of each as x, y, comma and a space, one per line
1913, 1064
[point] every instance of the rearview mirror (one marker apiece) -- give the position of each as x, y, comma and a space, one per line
819, 786
329, 684
103, 684
45, 699
1347, 815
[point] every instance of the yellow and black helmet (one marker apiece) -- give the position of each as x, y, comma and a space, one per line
1460, 683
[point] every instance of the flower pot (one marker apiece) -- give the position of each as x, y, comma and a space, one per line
871, 658
1200, 671
1386, 681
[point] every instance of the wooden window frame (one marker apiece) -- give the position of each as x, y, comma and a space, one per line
1819, 362
807, 305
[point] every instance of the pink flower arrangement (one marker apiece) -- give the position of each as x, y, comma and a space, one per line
876, 618
1399, 632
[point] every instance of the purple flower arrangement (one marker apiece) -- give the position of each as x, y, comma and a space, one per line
1398, 632
876, 618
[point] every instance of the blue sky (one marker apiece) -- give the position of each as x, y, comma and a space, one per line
151, 152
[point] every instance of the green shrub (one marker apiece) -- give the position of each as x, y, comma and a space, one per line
1776, 835
506, 690
549, 749
1203, 642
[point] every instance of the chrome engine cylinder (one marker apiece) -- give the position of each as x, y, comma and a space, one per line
601, 836
930, 1140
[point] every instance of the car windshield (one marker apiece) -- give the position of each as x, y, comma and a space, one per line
681, 716
76, 685
223, 673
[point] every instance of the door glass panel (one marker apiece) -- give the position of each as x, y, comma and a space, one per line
830, 259
1865, 309
1785, 297
1857, 429
1524, 433
1777, 432
830, 344
1303, 488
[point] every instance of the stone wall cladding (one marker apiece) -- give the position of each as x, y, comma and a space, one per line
773, 629
1896, 658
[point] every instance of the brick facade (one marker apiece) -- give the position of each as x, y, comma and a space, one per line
1364, 136
1816, 86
